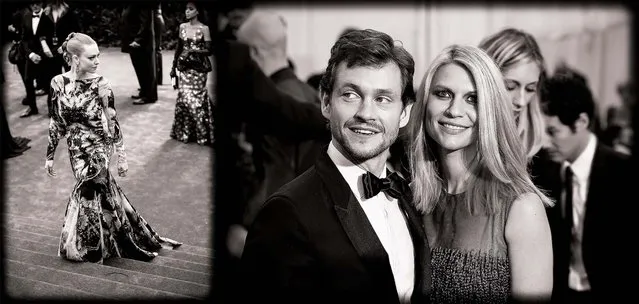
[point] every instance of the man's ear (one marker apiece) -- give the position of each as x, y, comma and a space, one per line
582, 122
325, 104
405, 116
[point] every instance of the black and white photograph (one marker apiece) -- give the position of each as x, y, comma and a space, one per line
248, 151
107, 146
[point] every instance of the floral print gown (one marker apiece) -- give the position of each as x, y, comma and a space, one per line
193, 109
99, 221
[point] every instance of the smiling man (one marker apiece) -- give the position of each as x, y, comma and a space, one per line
345, 230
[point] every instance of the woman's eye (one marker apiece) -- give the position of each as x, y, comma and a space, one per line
442, 94
472, 98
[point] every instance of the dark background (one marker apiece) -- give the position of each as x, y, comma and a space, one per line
101, 19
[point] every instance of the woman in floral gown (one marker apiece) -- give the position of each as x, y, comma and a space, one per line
99, 222
191, 65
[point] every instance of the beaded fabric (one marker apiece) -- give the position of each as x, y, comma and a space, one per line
469, 255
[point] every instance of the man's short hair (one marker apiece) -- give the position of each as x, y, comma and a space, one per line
566, 95
370, 48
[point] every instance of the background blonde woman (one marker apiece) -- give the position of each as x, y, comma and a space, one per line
485, 220
519, 58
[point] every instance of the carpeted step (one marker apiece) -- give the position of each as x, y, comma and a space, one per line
47, 227
153, 267
28, 289
201, 261
52, 249
95, 285
150, 283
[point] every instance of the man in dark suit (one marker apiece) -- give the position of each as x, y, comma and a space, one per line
345, 231
160, 28
590, 184
37, 32
138, 39
283, 159
15, 32
65, 22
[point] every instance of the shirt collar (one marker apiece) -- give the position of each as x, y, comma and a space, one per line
582, 165
351, 172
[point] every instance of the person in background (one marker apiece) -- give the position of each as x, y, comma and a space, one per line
138, 39
160, 28
15, 33
519, 58
10, 146
590, 184
37, 35
65, 22
193, 120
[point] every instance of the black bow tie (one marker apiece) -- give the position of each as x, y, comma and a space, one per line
36, 15
393, 185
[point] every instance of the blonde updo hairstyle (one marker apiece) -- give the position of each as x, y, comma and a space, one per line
74, 45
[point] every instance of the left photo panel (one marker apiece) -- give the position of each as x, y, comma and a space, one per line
107, 150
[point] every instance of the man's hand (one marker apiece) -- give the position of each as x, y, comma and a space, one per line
236, 239
35, 58
123, 168
134, 44
12, 28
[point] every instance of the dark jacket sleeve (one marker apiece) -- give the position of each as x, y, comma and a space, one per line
25, 35
277, 261
144, 32
264, 105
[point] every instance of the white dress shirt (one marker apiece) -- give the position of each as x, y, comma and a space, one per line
388, 221
578, 279
35, 21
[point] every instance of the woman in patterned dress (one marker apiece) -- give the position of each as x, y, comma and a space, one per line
484, 218
99, 222
191, 65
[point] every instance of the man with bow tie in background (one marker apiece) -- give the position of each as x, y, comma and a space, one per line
346, 230
37, 33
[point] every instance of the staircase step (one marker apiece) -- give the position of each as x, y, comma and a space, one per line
47, 227
201, 261
170, 272
28, 289
99, 286
105, 272
52, 249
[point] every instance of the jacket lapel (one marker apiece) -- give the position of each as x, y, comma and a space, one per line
29, 23
423, 269
355, 222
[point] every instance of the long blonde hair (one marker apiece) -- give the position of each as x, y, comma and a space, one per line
500, 169
507, 48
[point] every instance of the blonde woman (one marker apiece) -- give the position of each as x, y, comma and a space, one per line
484, 219
99, 221
522, 65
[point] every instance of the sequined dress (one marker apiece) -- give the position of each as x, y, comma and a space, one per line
193, 120
99, 221
469, 253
